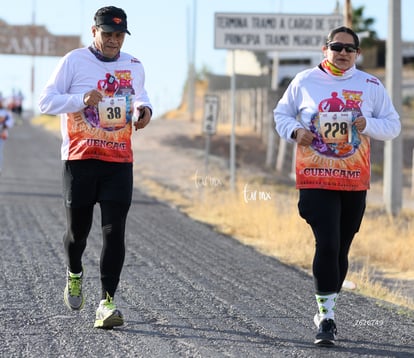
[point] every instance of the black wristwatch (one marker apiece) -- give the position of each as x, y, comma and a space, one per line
294, 134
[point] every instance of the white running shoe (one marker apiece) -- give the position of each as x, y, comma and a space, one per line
107, 315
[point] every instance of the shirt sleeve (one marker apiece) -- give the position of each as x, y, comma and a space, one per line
385, 122
141, 96
286, 112
55, 98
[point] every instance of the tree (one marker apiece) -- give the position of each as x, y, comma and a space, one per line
361, 25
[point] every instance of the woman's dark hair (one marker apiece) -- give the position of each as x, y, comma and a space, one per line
343, 29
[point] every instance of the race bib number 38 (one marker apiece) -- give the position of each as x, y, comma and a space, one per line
112, 112
335, 127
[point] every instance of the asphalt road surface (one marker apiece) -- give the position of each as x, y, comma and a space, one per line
185, 291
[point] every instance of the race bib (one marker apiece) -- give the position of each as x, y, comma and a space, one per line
335, 127
112, 112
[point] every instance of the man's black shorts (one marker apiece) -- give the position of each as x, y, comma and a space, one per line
86, 182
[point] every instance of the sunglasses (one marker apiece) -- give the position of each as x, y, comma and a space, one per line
338, 47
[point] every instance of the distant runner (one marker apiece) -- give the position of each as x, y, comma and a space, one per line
6, 122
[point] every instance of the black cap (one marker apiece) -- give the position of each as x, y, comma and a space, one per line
111, 19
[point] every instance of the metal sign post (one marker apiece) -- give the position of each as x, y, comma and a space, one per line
233, 125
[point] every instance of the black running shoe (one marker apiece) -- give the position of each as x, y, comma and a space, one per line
326, 333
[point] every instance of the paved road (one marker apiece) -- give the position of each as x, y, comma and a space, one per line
186, 290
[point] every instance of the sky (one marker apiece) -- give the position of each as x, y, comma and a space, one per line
160, 37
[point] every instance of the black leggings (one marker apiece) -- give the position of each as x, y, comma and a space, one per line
113, 222
335, 218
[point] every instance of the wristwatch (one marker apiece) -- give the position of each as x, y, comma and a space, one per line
294, 134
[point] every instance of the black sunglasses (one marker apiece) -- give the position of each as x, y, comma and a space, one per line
338, 47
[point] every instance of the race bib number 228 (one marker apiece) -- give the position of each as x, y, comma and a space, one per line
335, 127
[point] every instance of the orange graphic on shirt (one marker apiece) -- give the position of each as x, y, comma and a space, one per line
107, 138
87, 142
335, 166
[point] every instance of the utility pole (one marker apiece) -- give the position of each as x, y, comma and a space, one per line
32, 72
393, 164
191, 61
348, 14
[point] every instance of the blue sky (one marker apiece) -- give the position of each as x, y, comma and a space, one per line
159, 36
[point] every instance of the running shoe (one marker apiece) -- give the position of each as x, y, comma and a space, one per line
73, 291
107, 315
326, 333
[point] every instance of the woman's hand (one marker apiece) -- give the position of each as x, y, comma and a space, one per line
304, 137
360, 123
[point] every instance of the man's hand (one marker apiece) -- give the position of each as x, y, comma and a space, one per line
143, 118
92, 98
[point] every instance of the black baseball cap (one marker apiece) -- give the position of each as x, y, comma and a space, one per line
111, 19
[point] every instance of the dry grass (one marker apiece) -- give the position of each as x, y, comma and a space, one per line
387, 242
51, 123
374, 288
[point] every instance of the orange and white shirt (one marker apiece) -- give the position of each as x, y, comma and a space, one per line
102, 132
339, 156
